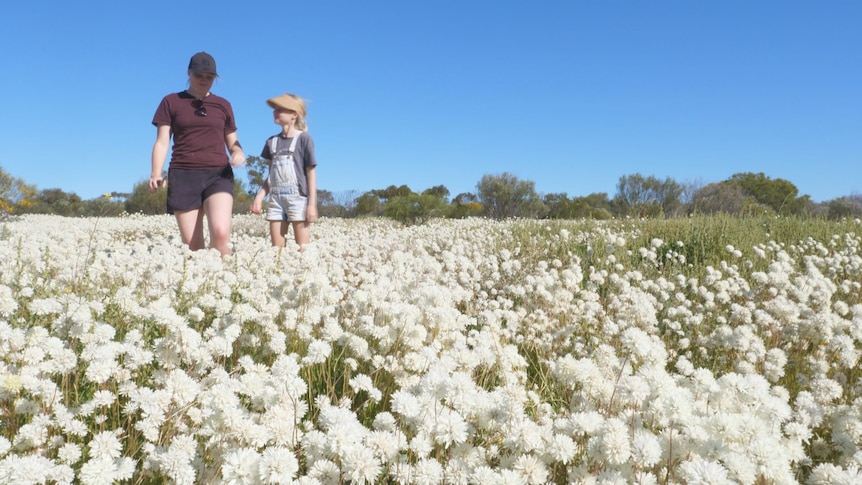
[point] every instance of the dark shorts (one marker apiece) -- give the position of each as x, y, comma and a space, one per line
187, 189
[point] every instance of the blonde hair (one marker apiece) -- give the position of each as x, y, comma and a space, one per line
300, 123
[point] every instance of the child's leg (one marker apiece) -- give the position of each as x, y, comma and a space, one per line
302, 233
277, 230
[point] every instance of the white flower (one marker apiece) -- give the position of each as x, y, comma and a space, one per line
427, 472
326, 472
612, 445
562, 448
360, 465
449, 427
405, 404
318, 352
646, 449
27, 469
361, 382
100, 470
241, 467
278, 465
703, 472
69, 453
105, 445
532, 471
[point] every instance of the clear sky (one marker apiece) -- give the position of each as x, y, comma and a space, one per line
569, 94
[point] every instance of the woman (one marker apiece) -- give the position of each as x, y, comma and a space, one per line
201, 178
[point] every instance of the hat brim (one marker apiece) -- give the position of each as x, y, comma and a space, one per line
284, 102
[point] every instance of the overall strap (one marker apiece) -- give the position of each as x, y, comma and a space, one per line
293, 142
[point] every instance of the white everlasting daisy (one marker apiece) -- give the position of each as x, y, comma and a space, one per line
562, 448
318, 352
703, 472
326, 472
69, 453
531, 469
27, 469
101, 470
386, 444
278, 465
241, 467
105, 444
360, 465
449, 428
427, 471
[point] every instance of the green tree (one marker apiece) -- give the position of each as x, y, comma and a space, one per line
241, 197
392, 191
439, 191
367, 204
106, 206
142, 201
717, 198
257, 170
505, 196
15, 194
55, 201
850, 206
778, 194
414, 208
647, 196
464, 205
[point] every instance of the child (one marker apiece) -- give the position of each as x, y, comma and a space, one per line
292, 183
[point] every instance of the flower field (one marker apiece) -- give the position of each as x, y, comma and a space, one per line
697, 351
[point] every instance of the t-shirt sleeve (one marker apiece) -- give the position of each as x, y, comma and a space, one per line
163, 114
230, 121
265, 153
310, 160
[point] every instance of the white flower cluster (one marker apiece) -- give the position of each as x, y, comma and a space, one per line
458, 352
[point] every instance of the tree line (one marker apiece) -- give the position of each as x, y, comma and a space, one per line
497, 196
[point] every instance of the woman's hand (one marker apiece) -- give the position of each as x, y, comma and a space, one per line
237, 158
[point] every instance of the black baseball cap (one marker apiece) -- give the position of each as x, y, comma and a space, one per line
202, 62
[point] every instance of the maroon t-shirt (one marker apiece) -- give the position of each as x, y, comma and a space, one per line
198, 141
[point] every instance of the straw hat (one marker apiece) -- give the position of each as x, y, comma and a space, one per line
288, 101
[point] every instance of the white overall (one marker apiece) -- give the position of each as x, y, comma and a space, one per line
285, 201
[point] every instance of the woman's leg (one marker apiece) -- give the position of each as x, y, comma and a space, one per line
191, 227
219, 209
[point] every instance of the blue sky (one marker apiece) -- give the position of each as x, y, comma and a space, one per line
571, 95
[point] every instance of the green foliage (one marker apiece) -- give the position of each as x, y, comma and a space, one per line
778, 194
257, 169
55, 201
641, 196
367, 204
842, 207
414, 208
15, 194
505, 196
142, 201
241, 197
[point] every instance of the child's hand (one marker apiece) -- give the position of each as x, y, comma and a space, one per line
311, 213
256, 206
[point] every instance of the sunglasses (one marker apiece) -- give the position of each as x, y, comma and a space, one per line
199, 107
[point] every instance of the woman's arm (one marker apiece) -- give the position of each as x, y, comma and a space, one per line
237, 157
160, 153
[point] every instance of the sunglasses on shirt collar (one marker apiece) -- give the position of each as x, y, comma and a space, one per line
200, 110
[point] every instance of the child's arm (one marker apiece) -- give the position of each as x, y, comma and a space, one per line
311, 210
257, 203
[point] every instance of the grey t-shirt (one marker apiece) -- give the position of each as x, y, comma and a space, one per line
303, 155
